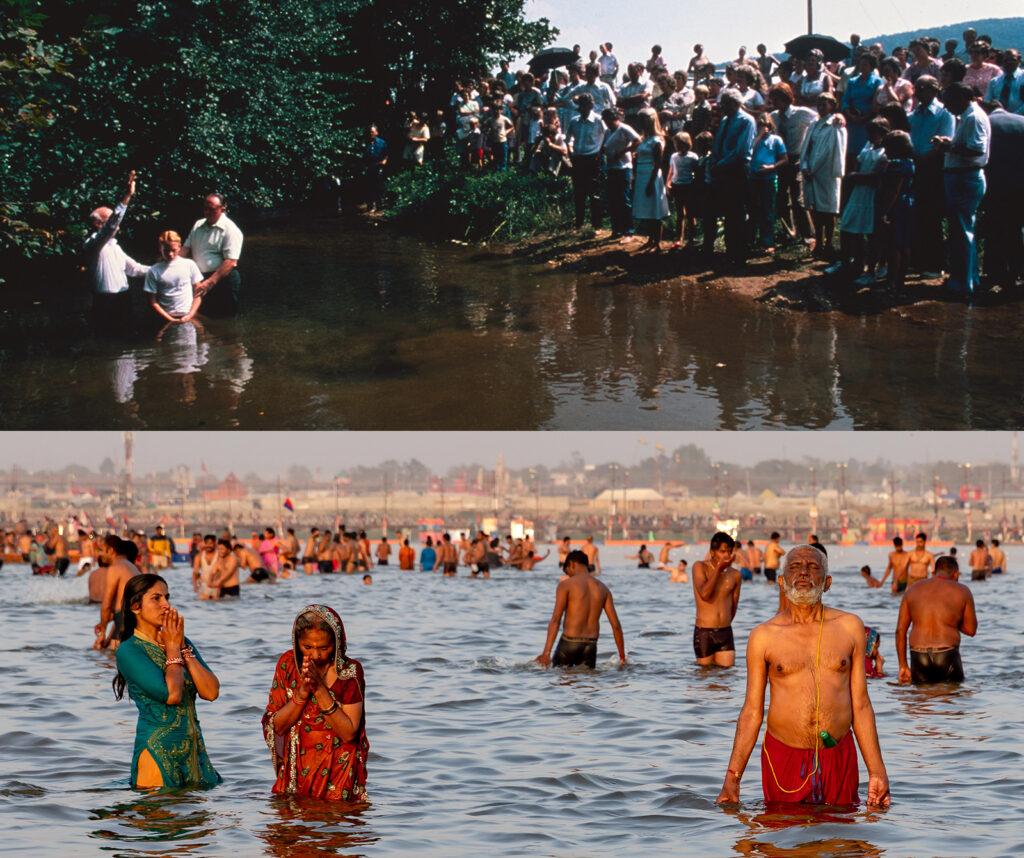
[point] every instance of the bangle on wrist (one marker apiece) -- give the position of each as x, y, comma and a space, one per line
332, 708
735, 774
176, 660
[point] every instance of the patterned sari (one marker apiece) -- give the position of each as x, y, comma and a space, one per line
170, 732
310, 759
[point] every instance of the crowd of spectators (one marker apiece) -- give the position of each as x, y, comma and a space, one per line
901, 151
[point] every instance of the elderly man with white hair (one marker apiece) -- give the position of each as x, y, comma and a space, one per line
109, 266
813, 656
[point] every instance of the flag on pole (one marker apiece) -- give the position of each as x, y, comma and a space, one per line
202, 462
288, 505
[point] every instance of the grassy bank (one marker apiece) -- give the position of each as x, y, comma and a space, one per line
444, 199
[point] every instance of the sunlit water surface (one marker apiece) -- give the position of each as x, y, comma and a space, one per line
475, 750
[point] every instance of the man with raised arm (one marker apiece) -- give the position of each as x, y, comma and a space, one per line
716, 586
813, 657
938, 610
581, 599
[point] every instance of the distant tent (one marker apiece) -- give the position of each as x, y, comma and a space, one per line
768, 495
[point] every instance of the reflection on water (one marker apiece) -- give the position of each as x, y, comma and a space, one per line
347, 325
478, 751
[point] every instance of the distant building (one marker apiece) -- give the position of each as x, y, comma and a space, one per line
230, 489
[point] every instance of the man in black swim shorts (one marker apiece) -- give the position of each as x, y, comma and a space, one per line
716, 588
580, 599
935, 612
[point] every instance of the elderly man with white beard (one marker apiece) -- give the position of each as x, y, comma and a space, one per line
813, 656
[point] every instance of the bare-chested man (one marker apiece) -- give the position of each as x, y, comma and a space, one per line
755, 557
464, 546
981, 561
478, 564
531, 560
813, 657
679, 575
225, 576
309, 554
326, 553
244, 558
289, 549
935, 612
716, 586
899, 560
119, 570
869, 579
581, 599
593, 555
563, 551
447, 556
663, 557
57, 546
383, 551
87, 552
773, 552
921, 563
997, 557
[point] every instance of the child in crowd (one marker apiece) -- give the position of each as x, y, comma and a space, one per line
893, 204
681, 170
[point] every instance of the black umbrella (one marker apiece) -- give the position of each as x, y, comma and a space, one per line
553, 58
833, 49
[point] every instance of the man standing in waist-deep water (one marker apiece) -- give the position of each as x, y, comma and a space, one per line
813, 657
935, 611
581, 598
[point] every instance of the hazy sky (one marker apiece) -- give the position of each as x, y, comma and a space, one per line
270, 453
722, 26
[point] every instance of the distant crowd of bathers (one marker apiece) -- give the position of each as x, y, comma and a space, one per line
901, 151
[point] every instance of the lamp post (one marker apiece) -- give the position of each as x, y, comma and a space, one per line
814, 505
842, 496
966, 494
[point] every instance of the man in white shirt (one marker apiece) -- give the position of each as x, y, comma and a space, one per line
966, 153
619, 144
585, 138
791, 124
110, 267
608, 64
635, 95
215, 243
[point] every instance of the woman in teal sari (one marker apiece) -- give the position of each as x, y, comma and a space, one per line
163, 673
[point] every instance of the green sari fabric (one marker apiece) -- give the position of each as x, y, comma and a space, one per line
170, 733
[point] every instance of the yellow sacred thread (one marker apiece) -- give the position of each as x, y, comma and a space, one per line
817, 714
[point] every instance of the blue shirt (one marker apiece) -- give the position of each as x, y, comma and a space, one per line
428, 557
927, 122
734, 140
375, 152
859, 95
766, 152
1016, 99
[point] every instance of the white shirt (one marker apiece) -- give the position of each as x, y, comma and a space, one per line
608, 65
793, 125
586, 135
616, 146
209, 245
628, 90
172, 284
973, 131
109, 266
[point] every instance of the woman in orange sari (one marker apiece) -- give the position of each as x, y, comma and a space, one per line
314, 724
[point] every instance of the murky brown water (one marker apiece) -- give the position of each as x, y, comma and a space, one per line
347, 325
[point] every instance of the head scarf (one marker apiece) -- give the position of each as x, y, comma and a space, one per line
333, 621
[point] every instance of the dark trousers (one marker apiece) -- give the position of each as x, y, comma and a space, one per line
728, 196
927, 248
224, 298
761, 191
586, 171
620, 205
791, 199
1000, 231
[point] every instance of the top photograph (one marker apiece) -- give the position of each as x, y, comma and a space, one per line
519, 215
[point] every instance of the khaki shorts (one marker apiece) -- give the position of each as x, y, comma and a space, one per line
159, 561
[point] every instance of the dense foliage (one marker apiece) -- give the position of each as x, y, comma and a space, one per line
258, 99
446, 200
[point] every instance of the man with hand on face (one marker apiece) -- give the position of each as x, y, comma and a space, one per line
716, 586
813, 657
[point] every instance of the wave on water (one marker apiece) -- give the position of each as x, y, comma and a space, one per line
21, 587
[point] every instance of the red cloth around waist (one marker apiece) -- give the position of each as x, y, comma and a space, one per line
834, 783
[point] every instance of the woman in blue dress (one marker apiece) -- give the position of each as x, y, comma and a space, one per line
163, 673
650, 202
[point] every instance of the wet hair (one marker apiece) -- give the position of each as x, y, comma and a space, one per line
897, 541
865, 570
577, 556
922, 535
995, 542
225, 542
980, 543
775, 534
134, 590
720, 539
129, 550
946, 563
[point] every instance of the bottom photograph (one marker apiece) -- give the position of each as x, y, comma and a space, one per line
511, 643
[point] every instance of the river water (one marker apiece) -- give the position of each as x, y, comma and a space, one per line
474, 750
350, 326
